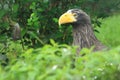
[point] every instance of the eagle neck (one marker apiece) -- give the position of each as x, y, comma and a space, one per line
83, 36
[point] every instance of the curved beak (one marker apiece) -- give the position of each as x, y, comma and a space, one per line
66, 18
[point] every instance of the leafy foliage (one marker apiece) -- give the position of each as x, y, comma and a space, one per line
38, 18
59, 62
24, 58
110, 31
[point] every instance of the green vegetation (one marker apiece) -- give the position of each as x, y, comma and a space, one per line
58, 62
110, 31
34, 47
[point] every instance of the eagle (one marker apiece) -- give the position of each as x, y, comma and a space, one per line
83, 34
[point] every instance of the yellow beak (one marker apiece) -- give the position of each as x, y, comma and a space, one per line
66, 18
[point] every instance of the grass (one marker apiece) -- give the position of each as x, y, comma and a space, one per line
110, 31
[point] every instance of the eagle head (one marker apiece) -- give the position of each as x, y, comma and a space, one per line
74, 16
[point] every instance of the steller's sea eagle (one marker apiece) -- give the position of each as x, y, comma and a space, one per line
83, 35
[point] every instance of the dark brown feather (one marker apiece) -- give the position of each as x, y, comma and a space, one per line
83, 37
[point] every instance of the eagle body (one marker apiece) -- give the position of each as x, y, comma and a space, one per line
83, 35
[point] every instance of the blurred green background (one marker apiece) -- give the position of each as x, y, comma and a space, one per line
34, 47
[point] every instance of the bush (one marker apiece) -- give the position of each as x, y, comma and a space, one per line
58, 62
109, 33
38, 19
22, 57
